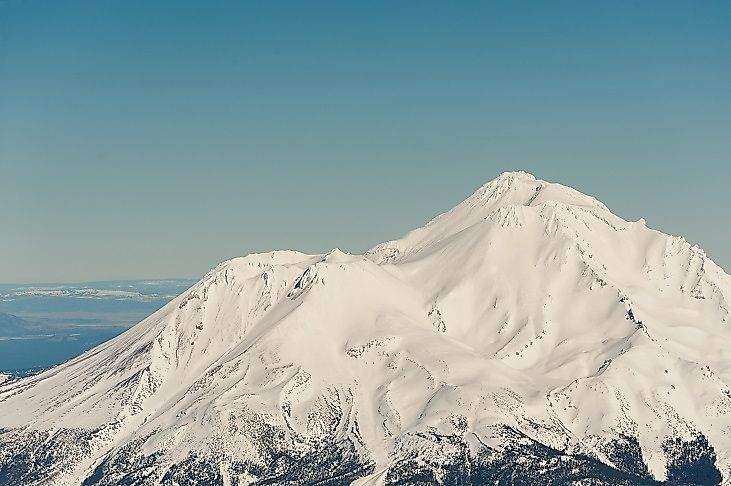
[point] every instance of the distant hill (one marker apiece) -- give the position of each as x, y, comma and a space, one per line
14, 326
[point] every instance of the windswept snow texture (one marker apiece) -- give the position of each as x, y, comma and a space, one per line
526, 335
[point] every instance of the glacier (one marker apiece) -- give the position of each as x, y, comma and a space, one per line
528, 334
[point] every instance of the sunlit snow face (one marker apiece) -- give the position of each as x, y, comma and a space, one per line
528, 321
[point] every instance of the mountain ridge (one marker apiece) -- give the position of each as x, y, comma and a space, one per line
526, 321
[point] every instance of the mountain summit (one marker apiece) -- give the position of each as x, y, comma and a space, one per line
526, 333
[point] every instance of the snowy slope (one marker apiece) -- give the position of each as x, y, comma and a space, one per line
526, 333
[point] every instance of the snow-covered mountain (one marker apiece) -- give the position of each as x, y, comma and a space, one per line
527, 334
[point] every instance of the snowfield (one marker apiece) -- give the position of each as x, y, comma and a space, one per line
527, 333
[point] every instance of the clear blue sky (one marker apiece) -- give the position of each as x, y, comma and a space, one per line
153, 139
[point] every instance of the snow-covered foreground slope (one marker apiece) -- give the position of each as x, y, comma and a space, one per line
527, 333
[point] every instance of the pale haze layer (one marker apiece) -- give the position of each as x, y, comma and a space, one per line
141, 141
